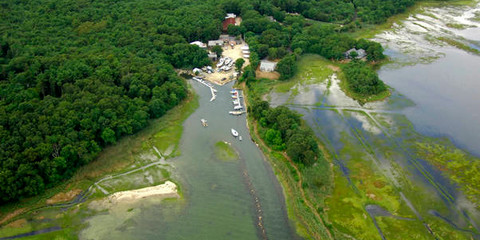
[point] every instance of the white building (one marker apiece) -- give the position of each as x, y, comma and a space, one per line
267, 66
212, 43
200, 44
230, 15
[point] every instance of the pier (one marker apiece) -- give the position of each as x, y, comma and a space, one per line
209, 85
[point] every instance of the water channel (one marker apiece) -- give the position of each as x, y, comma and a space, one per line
240, 199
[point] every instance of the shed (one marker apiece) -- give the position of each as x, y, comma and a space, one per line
213, 56
212, 43
267, 66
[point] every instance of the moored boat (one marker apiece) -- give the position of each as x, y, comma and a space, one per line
236, 113
234, 133
204, 122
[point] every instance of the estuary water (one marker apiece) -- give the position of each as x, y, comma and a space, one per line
239, 199
446, 87
435, 98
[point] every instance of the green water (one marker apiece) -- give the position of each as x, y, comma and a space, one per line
219, 197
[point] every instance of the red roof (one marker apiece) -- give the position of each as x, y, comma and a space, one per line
227, 22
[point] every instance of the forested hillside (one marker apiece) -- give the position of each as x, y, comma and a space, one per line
77, 75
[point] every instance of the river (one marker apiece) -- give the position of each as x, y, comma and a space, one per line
221, 199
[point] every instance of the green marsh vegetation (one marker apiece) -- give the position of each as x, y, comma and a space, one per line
225, 152
458, 166
307, 176
126, 154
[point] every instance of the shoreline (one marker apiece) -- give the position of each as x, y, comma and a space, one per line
166, 189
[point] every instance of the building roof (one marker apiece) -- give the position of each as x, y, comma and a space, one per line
212, 43
230, 15
227, 22
267, 65
200, 44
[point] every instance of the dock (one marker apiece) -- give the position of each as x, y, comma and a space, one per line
209, 85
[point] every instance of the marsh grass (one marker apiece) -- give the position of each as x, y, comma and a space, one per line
312, 69
225, 152
112, 160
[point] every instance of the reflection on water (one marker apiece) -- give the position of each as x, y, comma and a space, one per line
440, 99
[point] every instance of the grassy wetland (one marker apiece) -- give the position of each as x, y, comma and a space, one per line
390, 177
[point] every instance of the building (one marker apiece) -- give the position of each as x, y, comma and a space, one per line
200, 44
229, 19
360, 53
227, 22
213, 56
267, 66
230, 15
212, 43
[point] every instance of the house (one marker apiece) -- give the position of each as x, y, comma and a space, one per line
230, 15
227, 22
360, 53
267, 66
213, 56
212, 43
200, 44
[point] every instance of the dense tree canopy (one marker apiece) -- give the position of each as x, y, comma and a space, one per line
78, 75
281, 128
75, 76
362, 79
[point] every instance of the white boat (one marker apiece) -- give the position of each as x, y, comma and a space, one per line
236, 102
240, 138
236, 113
204, 122
233, 91
234, 97
234, 133
238, 107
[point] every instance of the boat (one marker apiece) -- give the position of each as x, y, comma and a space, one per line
233, 91
234, 97
236, 102
204, 122
240, 138
234, 133
238, 107
236, 113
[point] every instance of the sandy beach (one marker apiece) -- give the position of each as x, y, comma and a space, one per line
168, 189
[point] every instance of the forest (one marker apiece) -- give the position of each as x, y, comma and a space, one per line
282, 129
77, 75
362, 78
